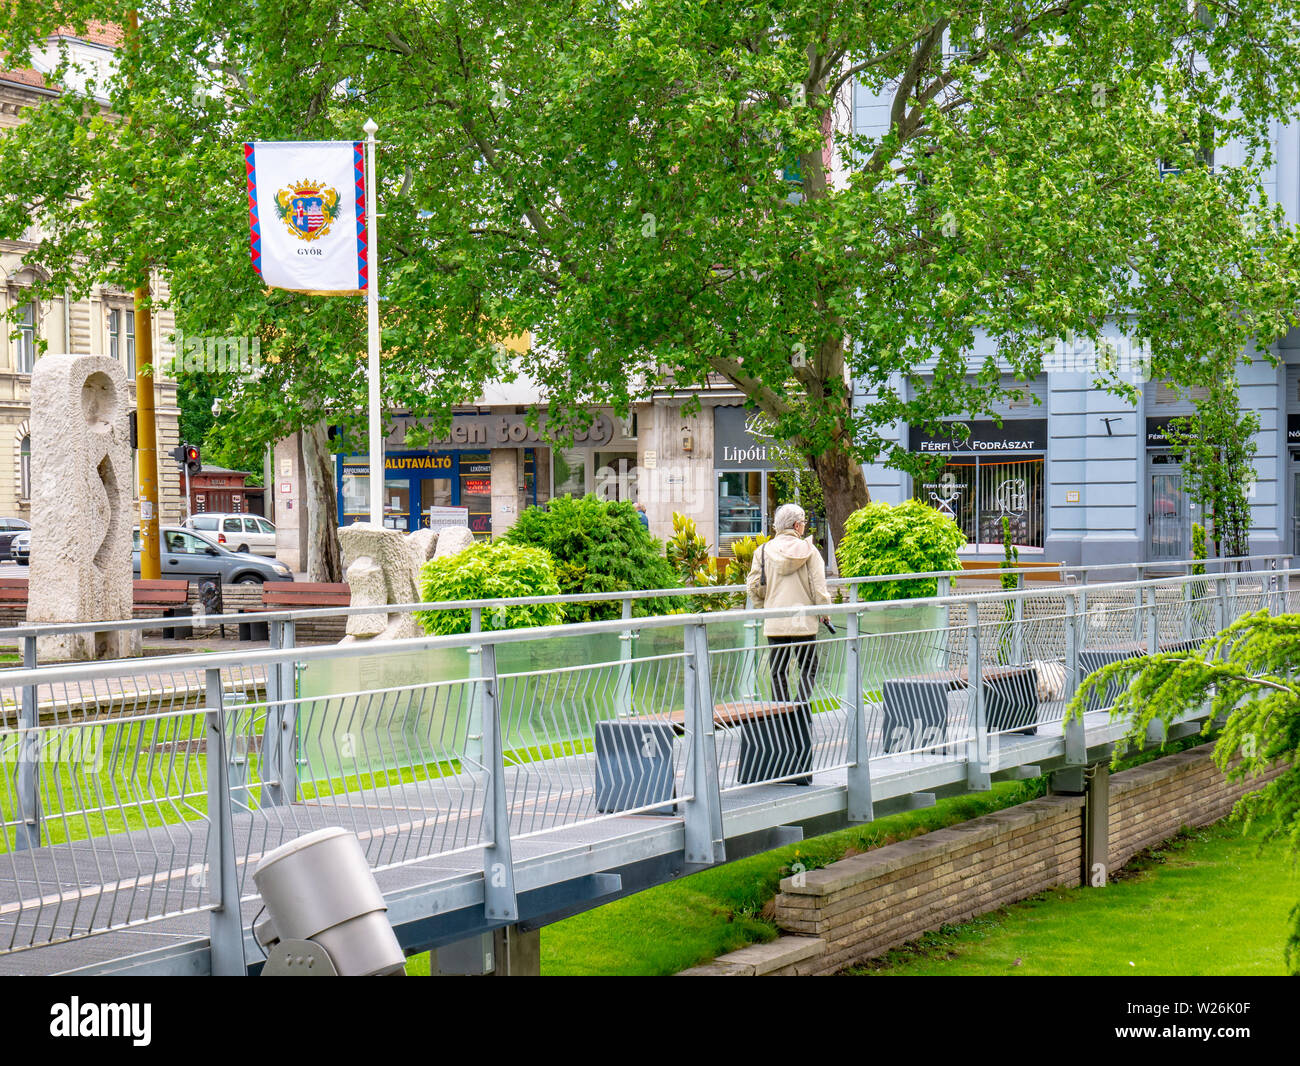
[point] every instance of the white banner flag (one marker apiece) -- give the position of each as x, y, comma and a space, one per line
307, 214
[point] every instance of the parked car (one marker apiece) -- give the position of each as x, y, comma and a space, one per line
189, 554
10, 528
20, 547
238, 532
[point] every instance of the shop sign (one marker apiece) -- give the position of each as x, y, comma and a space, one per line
502, 431
737, 444
1157, 431
1293, 430
476, 486
1014, 435
447, 517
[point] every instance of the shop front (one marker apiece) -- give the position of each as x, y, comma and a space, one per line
492, 464
1169, 509
995, 472
415, 481
1293, 448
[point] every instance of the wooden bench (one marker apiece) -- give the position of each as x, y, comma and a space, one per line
634, 755
1093, 659
298, 595
146, 596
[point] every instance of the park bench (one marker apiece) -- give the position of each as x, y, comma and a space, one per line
165, 597
293, 596
634, 755
915, 709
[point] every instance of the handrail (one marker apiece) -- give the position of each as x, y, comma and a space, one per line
49, 629
17, 677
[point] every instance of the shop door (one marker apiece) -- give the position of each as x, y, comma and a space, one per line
431, 492
1295, 504
1169, 526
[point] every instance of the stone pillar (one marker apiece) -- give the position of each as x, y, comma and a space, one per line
82, 512
505, 489
289, 509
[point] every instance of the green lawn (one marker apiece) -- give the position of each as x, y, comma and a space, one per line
677, 925
1210, 903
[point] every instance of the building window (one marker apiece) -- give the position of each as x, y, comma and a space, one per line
25, 469
977, 492
25, 356
121, 335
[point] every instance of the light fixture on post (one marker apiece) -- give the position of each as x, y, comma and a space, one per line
325, 913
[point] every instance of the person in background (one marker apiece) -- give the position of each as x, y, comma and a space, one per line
640, 513
788, 571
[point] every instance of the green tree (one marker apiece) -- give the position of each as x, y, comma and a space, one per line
1216, 448
598, 546
911, 538
649, 189
1248, 677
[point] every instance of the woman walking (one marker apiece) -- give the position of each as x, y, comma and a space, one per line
788, 571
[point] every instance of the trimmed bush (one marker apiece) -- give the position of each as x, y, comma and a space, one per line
908, 539
597, 547
489, 570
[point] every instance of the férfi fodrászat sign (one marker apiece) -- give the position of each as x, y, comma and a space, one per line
1014, 435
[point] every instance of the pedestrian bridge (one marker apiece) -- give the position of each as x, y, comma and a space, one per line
516, 777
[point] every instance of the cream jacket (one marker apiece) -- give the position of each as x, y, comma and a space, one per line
796, 575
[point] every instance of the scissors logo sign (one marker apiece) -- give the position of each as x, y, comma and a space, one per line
945, 494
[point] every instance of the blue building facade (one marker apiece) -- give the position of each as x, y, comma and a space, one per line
1085, 476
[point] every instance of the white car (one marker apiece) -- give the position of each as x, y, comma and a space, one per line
237, 532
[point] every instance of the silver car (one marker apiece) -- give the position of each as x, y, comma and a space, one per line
236, 532
191, 555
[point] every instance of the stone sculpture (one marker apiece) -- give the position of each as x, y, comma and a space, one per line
82, 507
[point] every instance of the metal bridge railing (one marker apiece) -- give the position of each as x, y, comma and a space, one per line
137, 790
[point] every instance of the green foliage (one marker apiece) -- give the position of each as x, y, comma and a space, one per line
489, 570
687, 552
910, 538
1248, 676
652, 227
743, 553
1198, 547
1216, 447
598, 546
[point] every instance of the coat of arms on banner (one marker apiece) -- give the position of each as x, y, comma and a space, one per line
307, 208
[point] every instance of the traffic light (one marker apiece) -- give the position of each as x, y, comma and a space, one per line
178, 454
192, 461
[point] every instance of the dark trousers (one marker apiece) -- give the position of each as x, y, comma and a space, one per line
805, 654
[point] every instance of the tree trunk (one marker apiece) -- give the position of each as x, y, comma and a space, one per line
324, 562
844, 489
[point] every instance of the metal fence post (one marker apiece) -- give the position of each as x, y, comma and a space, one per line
499, 902
1221, 604
474, 749
623, 686
28, 834
702, 813
1076, 743
1149, 595
859, 771
280, 733
977, 760
225, 925
1138, 600
1018, 622
749, 656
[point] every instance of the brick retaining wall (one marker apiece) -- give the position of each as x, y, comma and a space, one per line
861, 907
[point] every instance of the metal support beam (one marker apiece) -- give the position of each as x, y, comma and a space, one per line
859, 769
702, 813
225, 926
28, 831
499, 902
474, 740
1153, 621
749, 656
279, 736
1096, 827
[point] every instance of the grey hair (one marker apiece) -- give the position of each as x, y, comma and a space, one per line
787, 516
